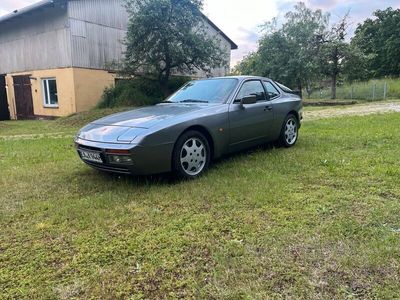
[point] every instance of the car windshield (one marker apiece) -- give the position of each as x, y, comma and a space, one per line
205, 91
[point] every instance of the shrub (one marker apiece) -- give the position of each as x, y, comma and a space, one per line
138, 91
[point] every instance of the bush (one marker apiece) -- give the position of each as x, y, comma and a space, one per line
139, 91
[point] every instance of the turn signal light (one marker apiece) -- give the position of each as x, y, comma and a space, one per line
118, 152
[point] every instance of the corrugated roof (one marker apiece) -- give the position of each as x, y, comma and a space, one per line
27, 9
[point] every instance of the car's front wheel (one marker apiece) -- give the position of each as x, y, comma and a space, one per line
290, 131
191, 156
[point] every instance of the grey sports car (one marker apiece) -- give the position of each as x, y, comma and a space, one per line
202, 121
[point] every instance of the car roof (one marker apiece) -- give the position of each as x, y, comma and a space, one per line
240, 77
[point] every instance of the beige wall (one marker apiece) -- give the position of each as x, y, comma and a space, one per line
65, 91
10, 97
89, 86
78, 90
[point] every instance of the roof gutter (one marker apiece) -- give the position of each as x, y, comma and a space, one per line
25, 10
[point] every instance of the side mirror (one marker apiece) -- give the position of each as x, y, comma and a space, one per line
248, 100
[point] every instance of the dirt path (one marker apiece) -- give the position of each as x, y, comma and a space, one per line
57, 135
356, 110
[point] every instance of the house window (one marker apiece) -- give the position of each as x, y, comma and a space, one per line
50, 96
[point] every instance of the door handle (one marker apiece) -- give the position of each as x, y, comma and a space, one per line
268, 108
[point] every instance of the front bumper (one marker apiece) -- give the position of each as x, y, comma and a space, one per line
147, 160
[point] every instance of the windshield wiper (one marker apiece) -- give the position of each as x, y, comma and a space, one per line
193, 101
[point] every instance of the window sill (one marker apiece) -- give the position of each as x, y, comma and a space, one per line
51, 106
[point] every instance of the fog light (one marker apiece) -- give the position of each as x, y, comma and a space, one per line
120, 159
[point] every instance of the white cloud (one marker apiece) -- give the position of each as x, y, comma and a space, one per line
240, 20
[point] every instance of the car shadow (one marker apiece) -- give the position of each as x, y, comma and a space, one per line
171, 179
244, 153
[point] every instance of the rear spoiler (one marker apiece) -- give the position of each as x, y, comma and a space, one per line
297, 93
287, 90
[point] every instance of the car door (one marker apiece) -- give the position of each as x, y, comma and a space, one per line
250, 124
276, 101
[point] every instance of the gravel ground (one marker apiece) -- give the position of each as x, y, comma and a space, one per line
356, 110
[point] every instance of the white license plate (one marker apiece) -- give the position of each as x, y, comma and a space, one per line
91, 156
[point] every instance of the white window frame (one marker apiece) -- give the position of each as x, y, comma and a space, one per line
45, 81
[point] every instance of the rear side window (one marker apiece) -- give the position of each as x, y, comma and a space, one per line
271, 90
252, 88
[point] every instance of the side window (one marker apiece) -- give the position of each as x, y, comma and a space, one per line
271, 90
250, 88
50, 96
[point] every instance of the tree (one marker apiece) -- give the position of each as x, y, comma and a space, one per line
290, 53
303, 31
379, 40
355, 65
249, 65
168, 35
334, 51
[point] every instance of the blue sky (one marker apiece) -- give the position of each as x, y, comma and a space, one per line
240, 20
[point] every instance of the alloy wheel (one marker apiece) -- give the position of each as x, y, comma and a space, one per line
291, 131
193, 156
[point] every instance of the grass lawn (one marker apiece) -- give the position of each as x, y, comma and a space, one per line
320, 220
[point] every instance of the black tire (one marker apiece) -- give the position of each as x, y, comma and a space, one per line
289, 135
197, 158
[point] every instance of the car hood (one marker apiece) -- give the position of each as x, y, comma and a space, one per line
126, 126
147, 117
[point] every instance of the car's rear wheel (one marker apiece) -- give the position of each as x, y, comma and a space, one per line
290, 131
191, 155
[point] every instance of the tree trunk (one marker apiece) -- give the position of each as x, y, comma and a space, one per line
300, 88
335, 72
333, 86
163, 79
165, 74
308, 89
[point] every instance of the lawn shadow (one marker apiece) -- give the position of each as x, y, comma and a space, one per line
136, 180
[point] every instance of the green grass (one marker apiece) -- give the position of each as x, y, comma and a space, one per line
67, 124
363, 90
320, 220
83, 118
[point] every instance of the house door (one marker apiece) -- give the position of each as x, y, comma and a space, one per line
4, 112
23, 97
